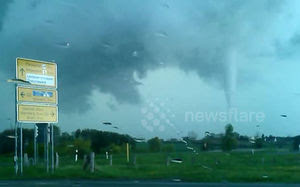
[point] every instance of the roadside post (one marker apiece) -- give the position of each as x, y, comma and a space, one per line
36, 102
56, 160
92, 162
127, 152
110, 160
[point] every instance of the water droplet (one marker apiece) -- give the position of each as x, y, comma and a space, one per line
63, 44
134, 53
161, 34
165, 5
106, 45
48, 21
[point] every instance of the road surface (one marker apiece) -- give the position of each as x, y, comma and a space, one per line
136, 183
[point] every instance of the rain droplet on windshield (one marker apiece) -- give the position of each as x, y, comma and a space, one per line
63, 44
106, 45
165, 5
161, 34
49, 21
134, 53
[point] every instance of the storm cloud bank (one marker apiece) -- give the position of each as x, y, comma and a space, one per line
103, 44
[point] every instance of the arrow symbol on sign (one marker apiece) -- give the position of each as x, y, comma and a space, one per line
22, 71
22, 94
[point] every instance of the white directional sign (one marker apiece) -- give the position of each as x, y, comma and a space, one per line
37, 72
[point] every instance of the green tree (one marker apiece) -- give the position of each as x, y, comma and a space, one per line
168, 148
258, 142
229, 141
296, 143
68, 147
154, 144
83, 146
6, 144
116, 149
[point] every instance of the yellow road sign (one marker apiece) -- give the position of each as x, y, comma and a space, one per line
37, 95
37, 72
37, 114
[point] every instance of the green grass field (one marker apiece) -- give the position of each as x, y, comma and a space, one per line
263, 166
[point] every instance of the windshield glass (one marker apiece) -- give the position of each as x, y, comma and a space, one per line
167, 90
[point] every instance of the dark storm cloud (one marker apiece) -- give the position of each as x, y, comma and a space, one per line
224, 26
3, 9
288, 49
108, 64
102, 44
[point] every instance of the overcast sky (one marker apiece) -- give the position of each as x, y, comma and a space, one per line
145, 65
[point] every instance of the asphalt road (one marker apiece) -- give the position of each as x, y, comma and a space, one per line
130, 183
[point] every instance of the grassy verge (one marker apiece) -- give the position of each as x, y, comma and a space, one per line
267, 166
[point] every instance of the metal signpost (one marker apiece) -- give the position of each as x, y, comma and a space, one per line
34, 144
36, 101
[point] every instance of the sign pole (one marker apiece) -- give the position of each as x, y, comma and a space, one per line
37, 151
52, 149
47, 147
35, 132
16, 148
16, 134
21, 148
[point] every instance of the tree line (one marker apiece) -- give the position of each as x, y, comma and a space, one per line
88, 140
